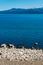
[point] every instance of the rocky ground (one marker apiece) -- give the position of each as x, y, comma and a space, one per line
23, 56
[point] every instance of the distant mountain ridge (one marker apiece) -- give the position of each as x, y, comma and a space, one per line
23, 11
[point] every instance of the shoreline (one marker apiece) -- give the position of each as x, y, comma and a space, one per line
13, 55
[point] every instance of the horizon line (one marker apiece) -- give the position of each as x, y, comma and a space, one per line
20, 8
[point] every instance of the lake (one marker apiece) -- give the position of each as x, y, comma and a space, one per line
21, 29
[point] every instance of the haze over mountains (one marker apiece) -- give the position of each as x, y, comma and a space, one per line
23, 11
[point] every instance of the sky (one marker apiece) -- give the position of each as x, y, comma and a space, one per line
8, 4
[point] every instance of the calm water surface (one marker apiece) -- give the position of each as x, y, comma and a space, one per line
24, 29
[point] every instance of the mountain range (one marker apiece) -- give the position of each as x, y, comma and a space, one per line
23, 11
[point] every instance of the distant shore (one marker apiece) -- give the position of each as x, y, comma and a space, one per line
23, 55
22, 11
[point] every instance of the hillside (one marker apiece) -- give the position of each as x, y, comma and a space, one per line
23, 11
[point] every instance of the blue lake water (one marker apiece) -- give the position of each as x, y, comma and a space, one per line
24, 29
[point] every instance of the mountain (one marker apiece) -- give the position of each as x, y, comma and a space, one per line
23, 11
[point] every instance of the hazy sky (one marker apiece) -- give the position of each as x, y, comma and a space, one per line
7, 4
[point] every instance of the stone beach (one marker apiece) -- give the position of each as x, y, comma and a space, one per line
20, 55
